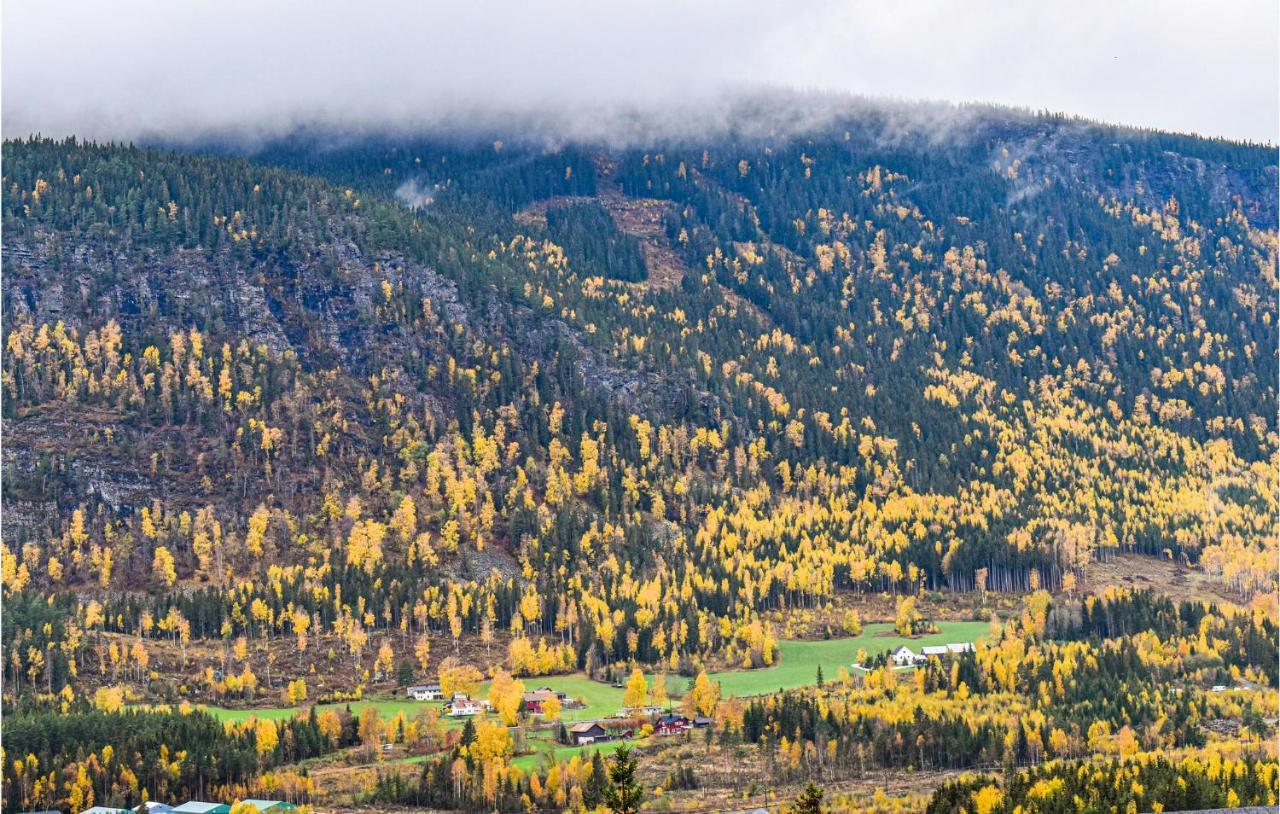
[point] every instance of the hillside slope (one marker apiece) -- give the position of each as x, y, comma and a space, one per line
871, 359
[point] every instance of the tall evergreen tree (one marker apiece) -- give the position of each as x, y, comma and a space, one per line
624, 795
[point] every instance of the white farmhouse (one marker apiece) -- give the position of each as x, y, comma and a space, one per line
462, 706
425, 692
904, 656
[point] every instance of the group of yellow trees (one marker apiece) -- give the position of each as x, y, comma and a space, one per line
701, 699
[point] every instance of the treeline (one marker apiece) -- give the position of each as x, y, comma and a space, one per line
1146, 783
77, 757
1025, 698
1251, 640
807, 735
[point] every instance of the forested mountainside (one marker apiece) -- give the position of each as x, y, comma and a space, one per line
621, 401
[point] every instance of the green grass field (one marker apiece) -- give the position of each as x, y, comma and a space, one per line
797, 667
543, 746
563, 753
387, 708
800, 660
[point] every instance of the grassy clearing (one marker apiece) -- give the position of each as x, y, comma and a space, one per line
549, 751
387, 709
542, 747
601, 699
800, 660
798, 665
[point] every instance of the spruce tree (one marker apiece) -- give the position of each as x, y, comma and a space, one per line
624, 794
809, 801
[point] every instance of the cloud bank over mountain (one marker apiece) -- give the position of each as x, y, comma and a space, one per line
139, 69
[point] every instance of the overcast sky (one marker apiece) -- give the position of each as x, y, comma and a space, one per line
133, 68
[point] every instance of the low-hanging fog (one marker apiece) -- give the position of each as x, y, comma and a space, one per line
145, 69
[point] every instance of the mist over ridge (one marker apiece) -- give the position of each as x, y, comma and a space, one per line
566, 70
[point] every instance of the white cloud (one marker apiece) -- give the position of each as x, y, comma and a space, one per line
133, 68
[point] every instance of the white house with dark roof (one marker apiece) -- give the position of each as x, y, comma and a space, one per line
904, 656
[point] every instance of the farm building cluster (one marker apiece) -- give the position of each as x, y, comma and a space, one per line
906, 657
620, 726
461, 705
535, 700
599, 731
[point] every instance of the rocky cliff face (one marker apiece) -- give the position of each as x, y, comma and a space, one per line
321, 308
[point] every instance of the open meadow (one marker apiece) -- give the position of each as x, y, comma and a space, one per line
797, 666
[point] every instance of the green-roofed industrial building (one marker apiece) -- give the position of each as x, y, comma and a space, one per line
274, 806
201, 807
